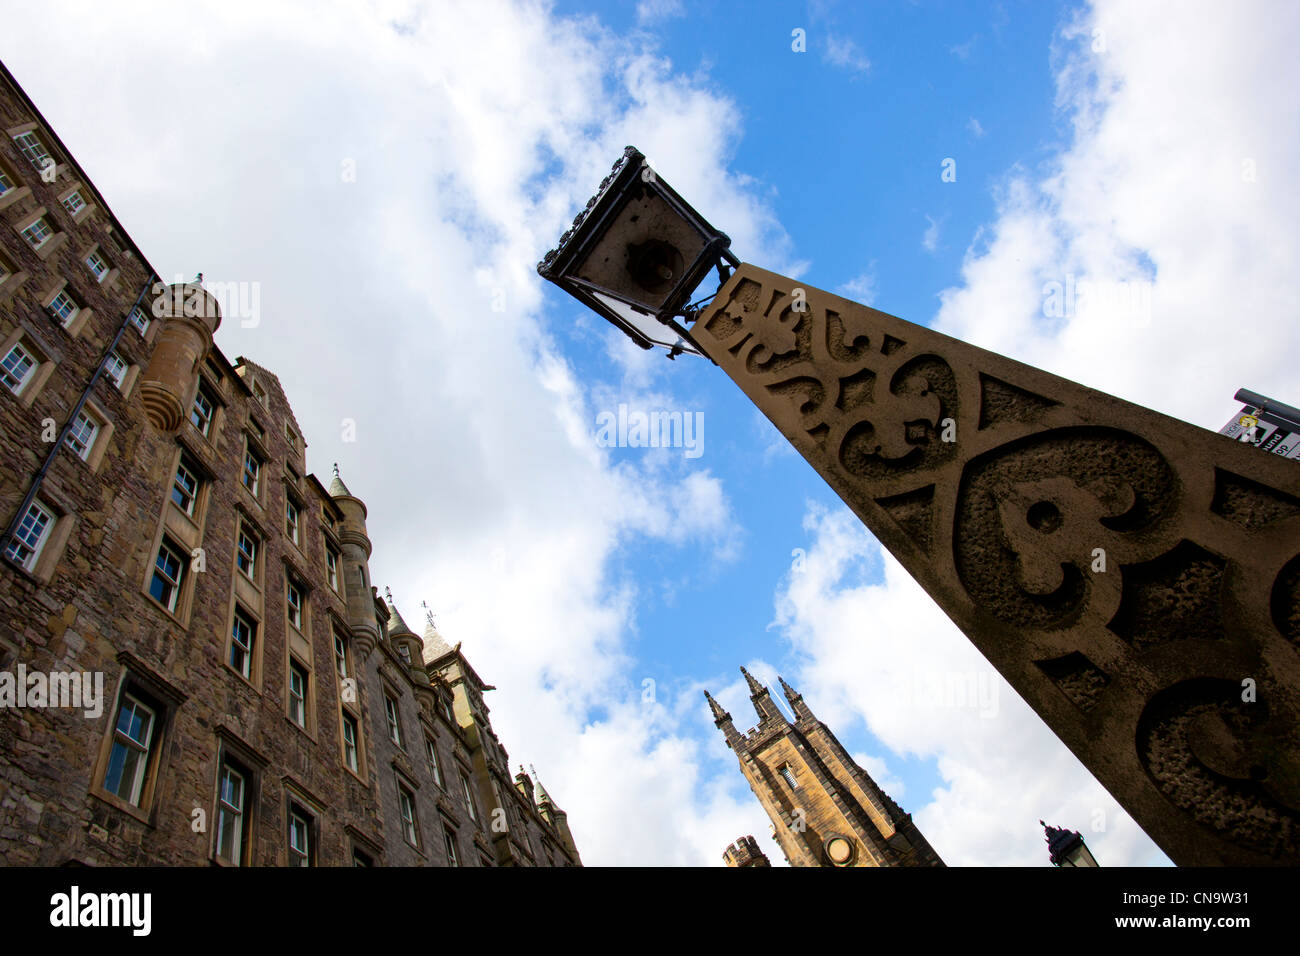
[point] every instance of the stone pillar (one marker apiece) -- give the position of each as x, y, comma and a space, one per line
1135, 578
190, 316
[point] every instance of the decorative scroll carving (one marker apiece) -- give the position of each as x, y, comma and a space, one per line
1134, 577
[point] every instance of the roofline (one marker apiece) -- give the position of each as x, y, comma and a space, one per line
83, 175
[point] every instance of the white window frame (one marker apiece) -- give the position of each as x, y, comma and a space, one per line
243, 647
6, 182
30, 145
249, 554
250, 456
31, 231
173, 601
205, 409
410, 824
432, 749
293, 602
115, 368
350, 743
228, 809
128, 743
298, 696
394, 718
97, 265
332, 567
73, 207
191, 492
38, 519
292, 514
469, 796
63, 308
77, 438
139, 320
299, 854
17, 382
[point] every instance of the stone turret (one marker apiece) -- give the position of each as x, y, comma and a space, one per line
355, 543
745, 852
557, 818
190, 316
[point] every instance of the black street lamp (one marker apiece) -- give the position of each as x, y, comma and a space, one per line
636, 253
1066, 847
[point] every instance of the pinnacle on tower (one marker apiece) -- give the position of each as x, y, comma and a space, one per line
795, 698
755, 688
762, 699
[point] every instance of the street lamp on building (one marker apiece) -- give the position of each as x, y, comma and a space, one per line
1066, 847
636, 253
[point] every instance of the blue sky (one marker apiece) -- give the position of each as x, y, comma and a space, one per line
1106, 140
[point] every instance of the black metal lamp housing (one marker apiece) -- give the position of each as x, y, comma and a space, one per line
636, 253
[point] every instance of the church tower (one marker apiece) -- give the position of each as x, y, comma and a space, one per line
825, 809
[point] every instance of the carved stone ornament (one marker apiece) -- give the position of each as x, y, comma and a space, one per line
1135, 578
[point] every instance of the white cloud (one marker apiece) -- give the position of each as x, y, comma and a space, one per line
976, 128
930, 238
655, 11
883, 652
843, 52
1154, 201
862, 287
475, 134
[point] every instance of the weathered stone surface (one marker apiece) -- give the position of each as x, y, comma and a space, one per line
1132, 576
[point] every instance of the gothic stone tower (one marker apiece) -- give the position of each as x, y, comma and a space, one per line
825, 809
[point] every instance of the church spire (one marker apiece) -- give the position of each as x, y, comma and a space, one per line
795, 698
762, 700
722, 720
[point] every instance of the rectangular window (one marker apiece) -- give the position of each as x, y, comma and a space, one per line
16, 368
168, 572
298, 694
201, 412
350, 743
433, 760
453, 858
132, 746
291, 437
341, 656
115, 369
469, 797
81, 436
73, 202
63, 309
788, 773
33, 531
230, 815
361, 859
243, 632
185, 486
246, 556
38, 233
300, 848
291, 519
97, 265
394, 722
410, 830
293, 601
252, 470
141, 322
31, 147
332, 567
6, 183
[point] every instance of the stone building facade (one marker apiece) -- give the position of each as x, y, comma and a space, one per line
825, 809
258, 703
